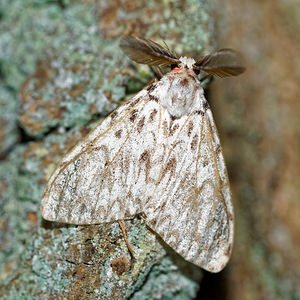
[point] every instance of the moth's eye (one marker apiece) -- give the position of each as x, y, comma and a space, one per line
176, 69
173, 66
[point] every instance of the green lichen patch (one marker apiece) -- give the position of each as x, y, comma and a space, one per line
64, 262
23, 176
65, 71
8, 119
166, 281
75, 79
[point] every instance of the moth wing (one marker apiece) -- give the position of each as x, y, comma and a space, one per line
94, 182
190, 206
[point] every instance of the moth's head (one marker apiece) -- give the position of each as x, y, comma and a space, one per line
186, 62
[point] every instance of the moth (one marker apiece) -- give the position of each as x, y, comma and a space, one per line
158, 155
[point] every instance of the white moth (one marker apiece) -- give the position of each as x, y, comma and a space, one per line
158, 155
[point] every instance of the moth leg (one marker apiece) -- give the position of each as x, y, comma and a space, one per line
142, 215
122, 226
122, 101
157, 71
150, 83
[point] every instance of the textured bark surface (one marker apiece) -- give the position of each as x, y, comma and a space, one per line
61, 68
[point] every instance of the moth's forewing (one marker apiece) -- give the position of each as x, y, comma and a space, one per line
93, 183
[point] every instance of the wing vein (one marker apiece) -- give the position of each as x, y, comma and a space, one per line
220, 191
